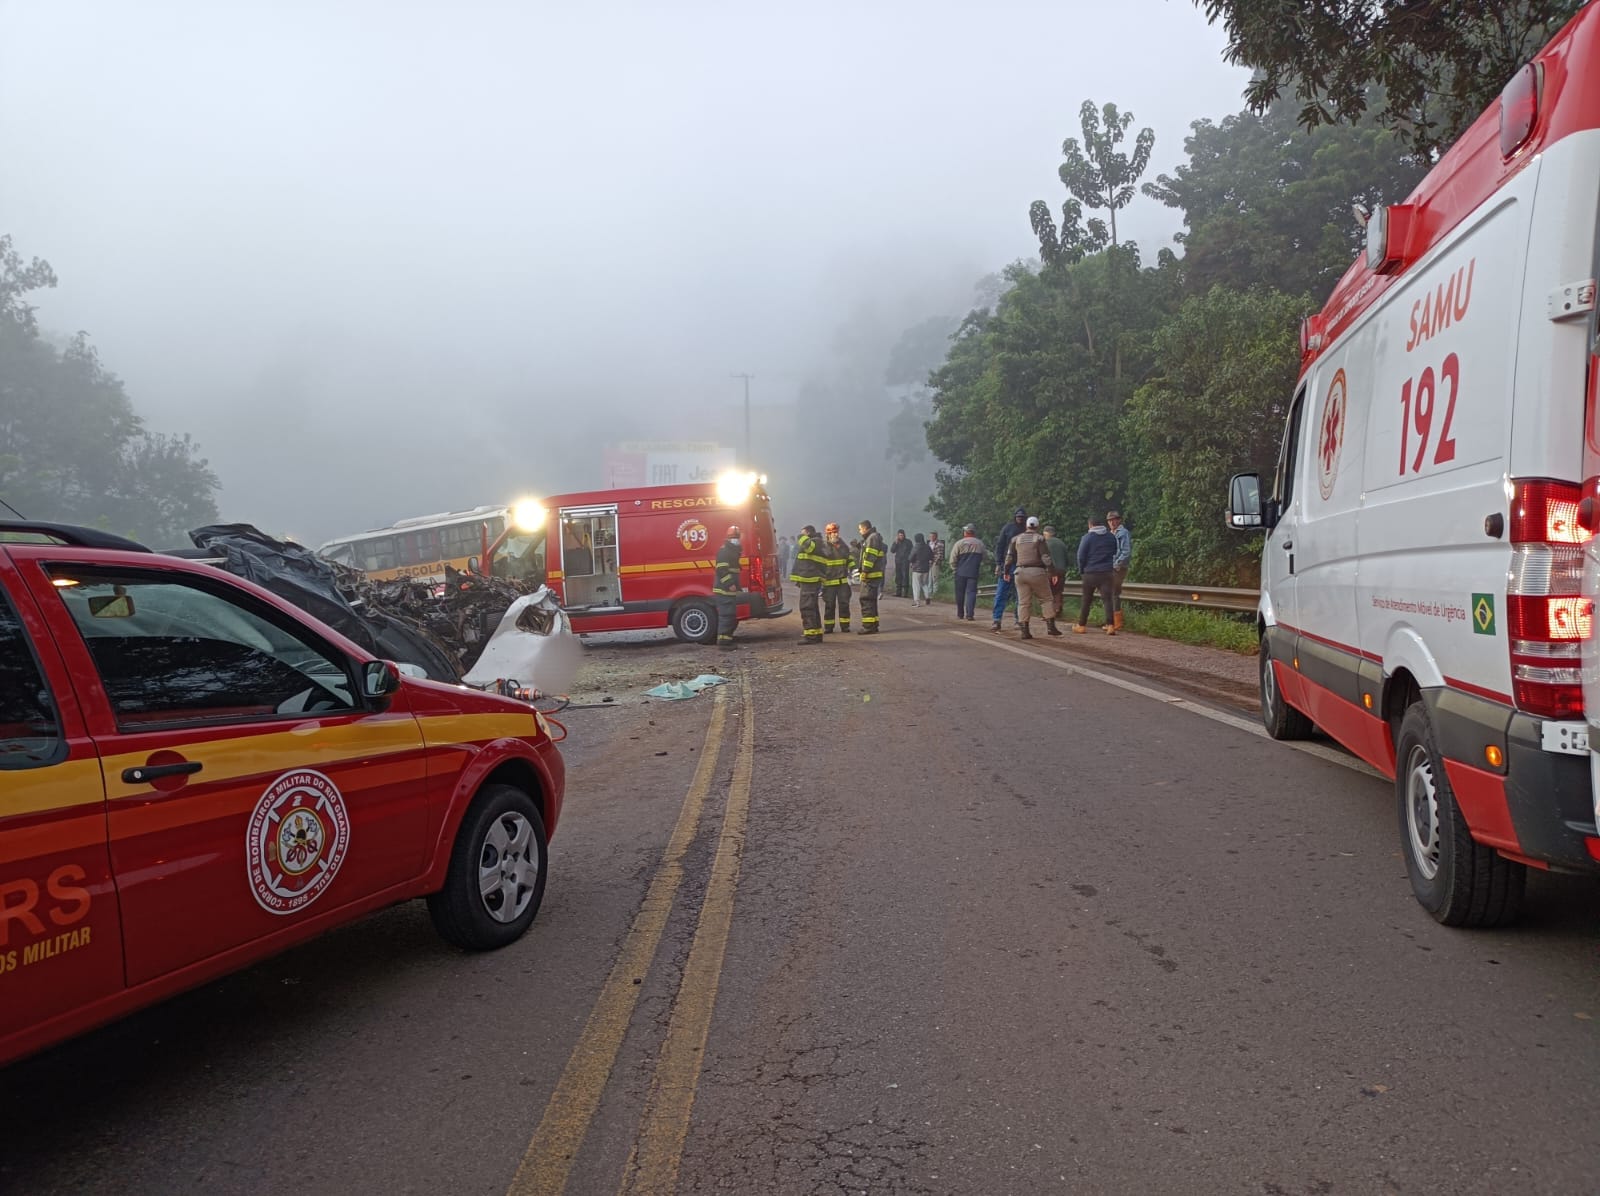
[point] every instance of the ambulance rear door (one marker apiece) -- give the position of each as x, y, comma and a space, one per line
591, 571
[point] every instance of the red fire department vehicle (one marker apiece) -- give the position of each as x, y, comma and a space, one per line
644, 558
194, 775
1429, 574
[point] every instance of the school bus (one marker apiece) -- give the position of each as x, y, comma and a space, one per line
420, 548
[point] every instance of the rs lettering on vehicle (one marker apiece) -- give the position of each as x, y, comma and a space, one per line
1423, 396
47, 915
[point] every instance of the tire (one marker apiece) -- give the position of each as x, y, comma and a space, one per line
1281, 720
694, 622
1459, 881
497, 869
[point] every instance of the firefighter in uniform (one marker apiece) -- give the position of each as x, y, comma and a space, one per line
726, 590
871, 565
809, 569
835, 580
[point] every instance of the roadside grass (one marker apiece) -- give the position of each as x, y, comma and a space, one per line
1189, 625
1232, 632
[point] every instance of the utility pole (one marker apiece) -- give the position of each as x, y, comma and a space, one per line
746, 378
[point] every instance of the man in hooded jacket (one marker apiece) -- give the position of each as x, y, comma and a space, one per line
1096, 552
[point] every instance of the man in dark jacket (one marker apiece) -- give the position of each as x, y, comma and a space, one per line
1004, 590
901, 551
726, 590
1096, 552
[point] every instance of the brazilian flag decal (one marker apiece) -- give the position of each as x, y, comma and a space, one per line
1483, 614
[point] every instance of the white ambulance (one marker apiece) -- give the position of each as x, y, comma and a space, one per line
1425, 597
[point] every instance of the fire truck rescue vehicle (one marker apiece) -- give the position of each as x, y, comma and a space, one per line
1429, 572
644, 557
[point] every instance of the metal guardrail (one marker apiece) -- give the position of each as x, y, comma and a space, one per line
1205, 597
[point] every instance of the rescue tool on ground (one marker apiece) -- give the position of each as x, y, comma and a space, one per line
1429, 574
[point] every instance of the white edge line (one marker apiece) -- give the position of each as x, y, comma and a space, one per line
1237, 722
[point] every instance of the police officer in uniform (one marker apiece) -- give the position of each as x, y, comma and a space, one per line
809, 568
871, 565
726, 590
835, 580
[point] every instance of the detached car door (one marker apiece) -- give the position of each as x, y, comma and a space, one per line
251, 789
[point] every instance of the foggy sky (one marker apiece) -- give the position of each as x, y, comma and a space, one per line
384, 258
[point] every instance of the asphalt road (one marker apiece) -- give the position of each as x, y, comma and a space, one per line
914, 914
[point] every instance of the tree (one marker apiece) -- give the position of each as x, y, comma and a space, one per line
72, 448
1266, 204
1027, 408
1437, 63
1223, 373
1097, 174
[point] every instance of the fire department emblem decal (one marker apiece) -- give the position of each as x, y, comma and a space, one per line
1330, 436
692, 534
298, 836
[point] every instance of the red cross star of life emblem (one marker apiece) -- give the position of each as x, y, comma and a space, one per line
1330, 439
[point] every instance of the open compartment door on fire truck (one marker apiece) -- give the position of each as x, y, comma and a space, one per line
590, 571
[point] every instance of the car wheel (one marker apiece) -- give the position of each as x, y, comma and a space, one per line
496, 878
1281, 720
694, 622
1459, 881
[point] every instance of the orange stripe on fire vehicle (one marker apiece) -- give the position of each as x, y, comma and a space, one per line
310, 744
52, 787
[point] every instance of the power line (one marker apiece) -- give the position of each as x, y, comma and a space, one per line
12, 509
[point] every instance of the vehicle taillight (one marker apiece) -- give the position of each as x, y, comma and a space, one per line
1547, 618
757, 575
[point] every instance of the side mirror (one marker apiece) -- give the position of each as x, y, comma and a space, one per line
379, 679
1245, 513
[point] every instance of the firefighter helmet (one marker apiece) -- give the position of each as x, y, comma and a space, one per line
733, 532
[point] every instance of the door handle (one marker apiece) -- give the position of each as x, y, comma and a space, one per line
1288, 545
146, 773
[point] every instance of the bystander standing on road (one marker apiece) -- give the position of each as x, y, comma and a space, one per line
966, 562
901, 551
935, 546
786, 556
1119, 567
1028, 563
1003, 590
921, 562
1096, 551
1059, 560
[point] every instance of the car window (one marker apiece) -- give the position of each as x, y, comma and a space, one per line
171, 650
30, 732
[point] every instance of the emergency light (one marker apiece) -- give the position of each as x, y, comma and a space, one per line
1519, 110
1390, 234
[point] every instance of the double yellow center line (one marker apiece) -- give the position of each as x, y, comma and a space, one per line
653, 1164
